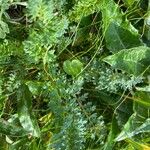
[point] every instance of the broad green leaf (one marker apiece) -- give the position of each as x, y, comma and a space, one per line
73, 67
11, 129
119, 33
124, 111
26, 117
138, 123
118, 37
144, 128
106, 98
134, 61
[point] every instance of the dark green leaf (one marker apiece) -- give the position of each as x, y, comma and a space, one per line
10, 129
26, 117
143, 97
118, 31
112, 135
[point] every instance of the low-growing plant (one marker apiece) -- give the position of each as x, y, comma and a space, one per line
74, 74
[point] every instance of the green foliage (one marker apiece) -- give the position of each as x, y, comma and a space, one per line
73, 67
74, 75
118, 31
84, 8
134, 61
4, 5
24, 111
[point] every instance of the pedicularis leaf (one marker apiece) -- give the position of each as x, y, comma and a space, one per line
73, 67
133, 61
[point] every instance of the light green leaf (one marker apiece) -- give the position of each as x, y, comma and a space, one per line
136, 145
144, 128
26, 117
133, 61
73, 67
130, 2
144, 89
84, 8
3, 29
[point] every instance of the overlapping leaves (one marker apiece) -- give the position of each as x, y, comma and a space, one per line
134, 61
61, 103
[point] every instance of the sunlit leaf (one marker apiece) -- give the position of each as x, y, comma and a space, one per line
73, 67
133, 61
138, 123
137, 145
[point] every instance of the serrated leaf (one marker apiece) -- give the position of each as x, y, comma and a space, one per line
133, 61
26, 117
89, 7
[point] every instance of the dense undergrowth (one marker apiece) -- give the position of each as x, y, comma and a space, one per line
75, 74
